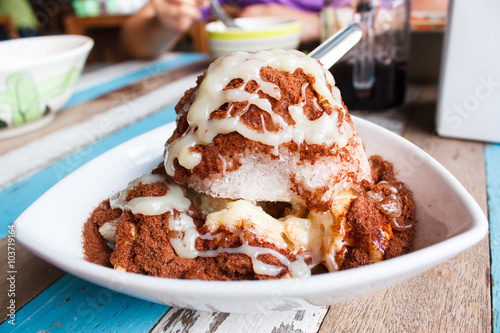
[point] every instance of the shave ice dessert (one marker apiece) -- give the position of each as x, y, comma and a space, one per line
264, 177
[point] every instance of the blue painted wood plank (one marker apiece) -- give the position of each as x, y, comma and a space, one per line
74, 305
17, 197
128, 78
492, 158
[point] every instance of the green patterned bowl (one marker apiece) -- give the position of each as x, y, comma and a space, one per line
256, 34
37, 76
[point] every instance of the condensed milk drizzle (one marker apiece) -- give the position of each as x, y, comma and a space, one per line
211, 95
186, 233
390, 205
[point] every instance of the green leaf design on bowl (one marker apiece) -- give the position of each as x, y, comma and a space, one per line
46, 111
23, 97
58, 85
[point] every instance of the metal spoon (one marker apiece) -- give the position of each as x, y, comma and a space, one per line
221, 15
331, 50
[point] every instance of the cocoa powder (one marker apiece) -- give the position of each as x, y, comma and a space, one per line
150, 252
232, 146
365, 221
95, 248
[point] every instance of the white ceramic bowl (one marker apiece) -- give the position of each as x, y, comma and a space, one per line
257, 34
37, 76
450, 221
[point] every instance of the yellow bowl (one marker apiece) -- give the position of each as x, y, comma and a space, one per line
256, 34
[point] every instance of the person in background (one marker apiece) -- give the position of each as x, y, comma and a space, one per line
21, 12
160, 24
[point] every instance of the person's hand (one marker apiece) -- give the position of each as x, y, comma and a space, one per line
310, 22
178, 14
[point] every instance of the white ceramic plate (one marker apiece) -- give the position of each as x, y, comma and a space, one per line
450, 222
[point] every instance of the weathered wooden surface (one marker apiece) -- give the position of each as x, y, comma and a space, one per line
33, 275
187, 321
492, 158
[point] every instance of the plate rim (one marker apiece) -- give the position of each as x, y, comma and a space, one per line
313, 285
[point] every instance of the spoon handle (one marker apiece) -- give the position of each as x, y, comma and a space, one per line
221, 15
331, 50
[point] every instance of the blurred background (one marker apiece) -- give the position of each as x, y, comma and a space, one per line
102, 19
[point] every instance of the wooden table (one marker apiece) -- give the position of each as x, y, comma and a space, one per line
7, 23
104, 30
451, 297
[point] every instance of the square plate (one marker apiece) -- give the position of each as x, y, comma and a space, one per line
450, 221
